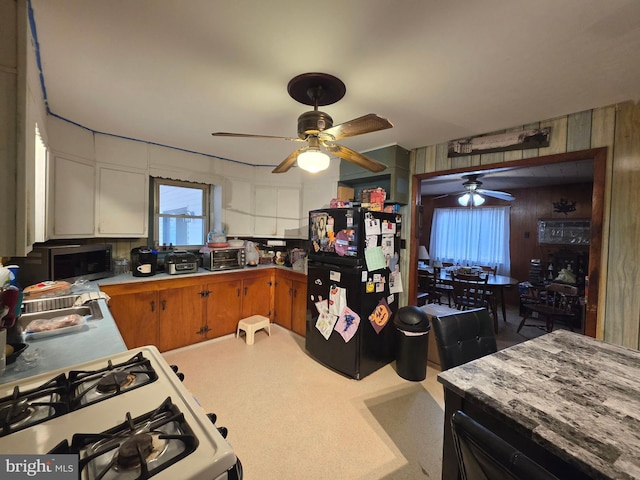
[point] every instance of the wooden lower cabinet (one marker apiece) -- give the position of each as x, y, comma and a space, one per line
181, 317
224, 307
257, 290
173, 313
136, 315
290, 300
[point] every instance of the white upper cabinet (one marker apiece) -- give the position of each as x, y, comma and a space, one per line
237, 206
73, 193
276, 211
288, 212
122, 203
265, 213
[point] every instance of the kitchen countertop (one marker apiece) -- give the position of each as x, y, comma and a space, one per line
576, 397
98, 338
128, 277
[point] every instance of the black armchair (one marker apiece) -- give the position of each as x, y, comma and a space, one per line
482, 455
464, 336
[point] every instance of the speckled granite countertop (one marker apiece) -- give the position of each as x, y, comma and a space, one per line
576, 396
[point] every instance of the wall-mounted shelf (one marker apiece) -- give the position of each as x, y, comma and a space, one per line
564, 232
394, 180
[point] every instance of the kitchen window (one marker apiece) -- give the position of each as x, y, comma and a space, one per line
472, 236
181, 213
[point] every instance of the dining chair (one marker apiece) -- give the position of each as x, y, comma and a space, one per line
558, 301
491, 295
470, 291
489, 269
463, 336
483, 455
444, 288
427, 288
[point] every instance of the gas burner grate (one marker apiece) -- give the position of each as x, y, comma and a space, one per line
89, 387
136, 449
26, 408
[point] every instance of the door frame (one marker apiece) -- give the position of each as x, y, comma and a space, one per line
599, 157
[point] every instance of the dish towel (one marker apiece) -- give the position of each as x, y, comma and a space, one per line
89, 296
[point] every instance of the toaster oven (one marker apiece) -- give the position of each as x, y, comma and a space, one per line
226, 258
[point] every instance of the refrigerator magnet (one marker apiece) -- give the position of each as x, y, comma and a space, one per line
380, 316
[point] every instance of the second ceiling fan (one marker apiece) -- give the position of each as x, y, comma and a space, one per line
473, 194
316, 128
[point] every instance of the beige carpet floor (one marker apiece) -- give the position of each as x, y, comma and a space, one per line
289, 417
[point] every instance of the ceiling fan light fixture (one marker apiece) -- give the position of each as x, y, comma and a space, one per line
470, 199
313, 160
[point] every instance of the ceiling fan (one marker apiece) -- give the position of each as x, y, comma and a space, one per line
473, 195
317, 130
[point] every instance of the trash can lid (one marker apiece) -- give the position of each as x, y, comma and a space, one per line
412, 319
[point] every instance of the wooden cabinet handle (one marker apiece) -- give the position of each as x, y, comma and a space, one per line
164, 304
245, 291
153, 305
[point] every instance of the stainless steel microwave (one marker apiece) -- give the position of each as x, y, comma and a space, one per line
65, 262
224, 258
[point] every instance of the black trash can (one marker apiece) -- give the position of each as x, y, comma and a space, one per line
413, 327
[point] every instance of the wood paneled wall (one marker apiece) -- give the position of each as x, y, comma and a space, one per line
616, 127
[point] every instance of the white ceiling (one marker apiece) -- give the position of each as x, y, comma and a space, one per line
173, 71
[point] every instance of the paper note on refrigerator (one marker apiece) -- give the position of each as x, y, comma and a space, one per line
326, 321
395, 282
347, 324
372, 226
375, 258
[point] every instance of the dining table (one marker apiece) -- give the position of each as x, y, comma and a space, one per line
495, 283
568, 401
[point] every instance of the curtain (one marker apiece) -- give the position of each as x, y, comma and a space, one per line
472, 236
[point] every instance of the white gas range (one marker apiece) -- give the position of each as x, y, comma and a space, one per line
127, 416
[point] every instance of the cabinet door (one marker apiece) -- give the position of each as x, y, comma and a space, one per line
283, 299
123, 198
73, 198
181, 317
288, 212
265, 211
257, 296
299, 307
224, 307
238, 207
136, 315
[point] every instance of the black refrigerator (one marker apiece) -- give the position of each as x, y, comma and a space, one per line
353, 284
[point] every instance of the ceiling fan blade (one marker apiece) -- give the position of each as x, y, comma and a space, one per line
288, 162
496, 194
355, 157
358, 126
248, 135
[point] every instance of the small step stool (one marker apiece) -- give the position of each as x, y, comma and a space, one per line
251, 325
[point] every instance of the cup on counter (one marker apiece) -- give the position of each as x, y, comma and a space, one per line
144, 268
121, 266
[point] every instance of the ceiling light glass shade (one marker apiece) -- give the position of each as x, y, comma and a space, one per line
313, 161
469, 199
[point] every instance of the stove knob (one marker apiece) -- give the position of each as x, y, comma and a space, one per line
213, 417
223, 431
179, 374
